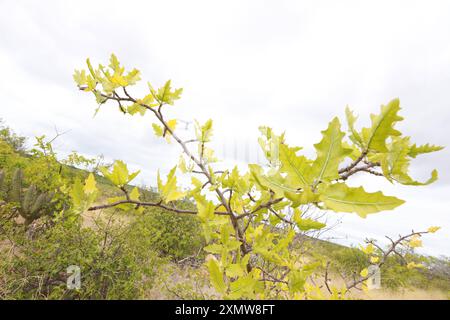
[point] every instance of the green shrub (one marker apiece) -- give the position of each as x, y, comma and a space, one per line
116, 262
16, 142
177, 236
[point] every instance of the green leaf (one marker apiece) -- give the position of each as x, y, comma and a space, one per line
170, 191
364, 272
100, 100
382, 127
205, 208
91, 83
114, 62
77, 194
134, 194
204, 132
135, 108
296, 281
119, 175
84, 195
171, 124
91, 70
305, 197
216, 276
351, 119
415, 241
341, 198
415, 150
80, 77
274, 182
133, 76
243, 287
90, 185
158, 130
433, 229
395, 163
330, 153
205, 213
297, 167
214, 248
234, 270
306, 224
165, 94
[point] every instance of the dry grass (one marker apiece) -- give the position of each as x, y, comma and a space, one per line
404, 294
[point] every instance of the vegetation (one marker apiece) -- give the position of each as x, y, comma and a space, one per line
228, 235
250, 220
119, 256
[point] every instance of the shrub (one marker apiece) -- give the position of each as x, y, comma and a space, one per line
116, 262
178, 236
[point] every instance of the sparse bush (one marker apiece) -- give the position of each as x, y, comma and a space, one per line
16, 142
116, 262
174, 235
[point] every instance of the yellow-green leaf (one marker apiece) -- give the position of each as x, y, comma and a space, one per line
158, 130
274, 182
216, 276
135, 108
369, 249
119, 175
341, 198
433, 229
90, 185
351, 119
133, 76
305, 224
170, 191
364, 272
374, 259
165, 94
234, 270
296, 281
77, 194
134, 194
395, 163
330, 153
415, 241
80, 77
382, 127
297, 167
214, 248
415, 150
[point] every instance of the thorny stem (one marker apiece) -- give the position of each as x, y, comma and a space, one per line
344, 173
385, 254
198, 161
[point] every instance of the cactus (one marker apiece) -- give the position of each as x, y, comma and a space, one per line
31, 204
2, 179
16, 186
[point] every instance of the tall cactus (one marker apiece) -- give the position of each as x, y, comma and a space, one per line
16, 186
2, 180
31, 204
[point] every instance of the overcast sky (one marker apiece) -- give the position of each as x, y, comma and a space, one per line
291, 65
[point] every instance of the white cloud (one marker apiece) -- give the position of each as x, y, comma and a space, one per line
290, 65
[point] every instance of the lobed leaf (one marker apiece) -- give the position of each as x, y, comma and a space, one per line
330, 153
382, 127
341, 198
170, 191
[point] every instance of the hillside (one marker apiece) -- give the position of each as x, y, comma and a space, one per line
154, 254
